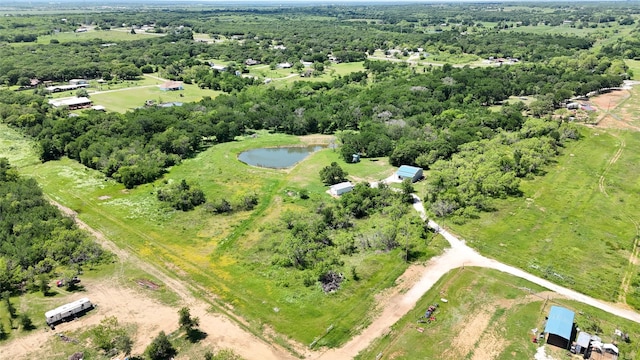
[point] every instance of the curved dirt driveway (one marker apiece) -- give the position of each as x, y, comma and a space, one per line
458, 255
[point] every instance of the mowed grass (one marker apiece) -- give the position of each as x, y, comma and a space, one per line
106, 35
126, 99
488, 315
226, 258
565, 226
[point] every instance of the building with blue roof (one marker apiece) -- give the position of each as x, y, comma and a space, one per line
559, 327
409, 172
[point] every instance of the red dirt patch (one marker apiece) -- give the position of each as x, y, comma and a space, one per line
610, 100
148, 284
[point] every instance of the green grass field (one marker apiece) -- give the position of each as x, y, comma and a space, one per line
122, 100
489, 315
568, 226
107, 36
228, 255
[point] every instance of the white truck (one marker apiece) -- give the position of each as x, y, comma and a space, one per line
67, 311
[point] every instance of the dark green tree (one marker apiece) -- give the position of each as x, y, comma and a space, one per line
186, 321
160, 348
333, 174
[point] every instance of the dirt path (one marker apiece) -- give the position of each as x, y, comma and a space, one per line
459, 255
612, 161
129, 306
631, 267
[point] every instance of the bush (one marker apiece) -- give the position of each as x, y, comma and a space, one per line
181, 196
160, 348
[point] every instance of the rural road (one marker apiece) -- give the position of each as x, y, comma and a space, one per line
457, 256
225, 333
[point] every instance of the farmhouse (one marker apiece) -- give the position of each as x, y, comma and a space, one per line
72, 103
341, 188
251, 62
219, 67
409, 172
78, 82
171, 86
59, 88
559, 327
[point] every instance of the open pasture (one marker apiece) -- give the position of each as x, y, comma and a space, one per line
577, 225
230, 255
488, 315
122, 100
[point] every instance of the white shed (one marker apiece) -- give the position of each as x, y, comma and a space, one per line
341, 188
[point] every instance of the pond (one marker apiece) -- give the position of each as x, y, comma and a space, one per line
277, 157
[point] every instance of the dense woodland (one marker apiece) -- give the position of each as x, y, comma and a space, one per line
35, 239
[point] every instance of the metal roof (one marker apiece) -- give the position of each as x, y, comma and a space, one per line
408, 171
583, 339
342, 185
560, 322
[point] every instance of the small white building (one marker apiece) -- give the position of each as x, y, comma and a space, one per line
341, 188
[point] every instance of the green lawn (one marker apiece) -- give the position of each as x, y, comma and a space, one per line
230, 255
107, 36
123, 100
489, 315
564, 227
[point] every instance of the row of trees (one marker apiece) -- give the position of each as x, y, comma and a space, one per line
415, 118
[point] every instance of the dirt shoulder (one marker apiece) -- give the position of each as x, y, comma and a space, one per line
129, 306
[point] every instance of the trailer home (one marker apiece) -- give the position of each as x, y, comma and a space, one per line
67, 311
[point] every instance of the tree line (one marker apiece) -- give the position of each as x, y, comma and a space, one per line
36, 241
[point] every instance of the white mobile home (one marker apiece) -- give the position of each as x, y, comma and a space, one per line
68, 310
341, 188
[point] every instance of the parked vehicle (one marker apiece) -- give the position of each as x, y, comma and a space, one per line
67, 311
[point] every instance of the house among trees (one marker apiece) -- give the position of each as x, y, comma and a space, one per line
70, 87
251, 62
285, 65
409, 172
341, 188
78, 82
72, 103
172, 86
220, 67
559, 327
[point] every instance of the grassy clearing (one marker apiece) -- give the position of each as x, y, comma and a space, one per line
489, 315
17, 148
566, 227
127, 99
634, 66
107, 36
229, 255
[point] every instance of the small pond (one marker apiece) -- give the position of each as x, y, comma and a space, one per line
277, 157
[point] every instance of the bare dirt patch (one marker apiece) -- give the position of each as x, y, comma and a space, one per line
318, 139
609, 122
610, 100
104, 197
468, 335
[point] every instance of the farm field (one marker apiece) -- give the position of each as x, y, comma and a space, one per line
488, 315
106, 35
223, 255
564, 218
122, 100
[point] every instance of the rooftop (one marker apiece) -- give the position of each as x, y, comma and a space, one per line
560, 322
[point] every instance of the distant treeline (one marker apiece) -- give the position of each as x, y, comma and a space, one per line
414, 118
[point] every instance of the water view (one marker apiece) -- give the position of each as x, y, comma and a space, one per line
277, 158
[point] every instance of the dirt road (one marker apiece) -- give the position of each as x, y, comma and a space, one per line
458, 255
130, 306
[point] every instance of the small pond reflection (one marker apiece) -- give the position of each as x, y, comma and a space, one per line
277, 158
